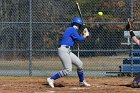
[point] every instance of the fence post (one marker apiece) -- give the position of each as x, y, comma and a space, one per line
131, 50
30, 45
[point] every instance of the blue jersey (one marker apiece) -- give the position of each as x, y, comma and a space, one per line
70, 35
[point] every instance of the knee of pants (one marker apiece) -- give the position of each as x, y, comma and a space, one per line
67, 71
80, 67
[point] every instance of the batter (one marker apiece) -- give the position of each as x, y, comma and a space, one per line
66, 56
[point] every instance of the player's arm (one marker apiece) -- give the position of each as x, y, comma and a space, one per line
134, 38
129, 27
75, 35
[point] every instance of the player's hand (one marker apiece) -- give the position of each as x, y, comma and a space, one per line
85, 32
129, 25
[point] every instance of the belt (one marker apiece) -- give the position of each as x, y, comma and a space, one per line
66, 46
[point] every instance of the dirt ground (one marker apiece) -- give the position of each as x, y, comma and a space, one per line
66, 85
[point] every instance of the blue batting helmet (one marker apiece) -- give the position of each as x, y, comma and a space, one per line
77, 20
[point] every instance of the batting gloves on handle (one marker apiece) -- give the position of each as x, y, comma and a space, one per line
85, 33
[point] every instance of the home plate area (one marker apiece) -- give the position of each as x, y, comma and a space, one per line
66, 85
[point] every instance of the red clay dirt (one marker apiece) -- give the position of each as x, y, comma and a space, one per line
66, 85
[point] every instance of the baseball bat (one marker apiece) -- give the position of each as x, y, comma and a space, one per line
80, 14
79, 10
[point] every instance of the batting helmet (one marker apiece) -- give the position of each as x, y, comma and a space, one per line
77, 20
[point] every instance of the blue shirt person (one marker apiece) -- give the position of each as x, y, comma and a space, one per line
66, 56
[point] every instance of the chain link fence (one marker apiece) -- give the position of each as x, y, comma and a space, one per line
30, 31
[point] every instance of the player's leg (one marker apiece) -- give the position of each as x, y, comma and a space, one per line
67, 64
79, 64
136, 81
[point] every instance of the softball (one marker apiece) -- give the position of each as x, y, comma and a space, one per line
100, 13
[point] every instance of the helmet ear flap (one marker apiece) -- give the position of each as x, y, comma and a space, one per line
76, 24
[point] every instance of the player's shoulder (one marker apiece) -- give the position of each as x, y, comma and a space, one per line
71, 29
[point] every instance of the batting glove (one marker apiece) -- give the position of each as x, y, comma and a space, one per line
85, 32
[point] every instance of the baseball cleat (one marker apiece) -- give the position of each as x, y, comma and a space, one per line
134, 84
50, 82
84, 84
